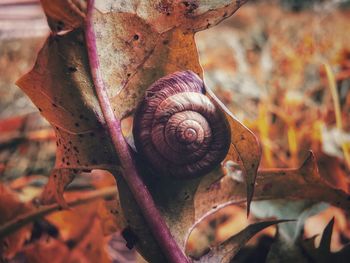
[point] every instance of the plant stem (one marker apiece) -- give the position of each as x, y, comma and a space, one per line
138, 188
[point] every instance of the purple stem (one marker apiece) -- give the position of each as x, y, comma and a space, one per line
140, 192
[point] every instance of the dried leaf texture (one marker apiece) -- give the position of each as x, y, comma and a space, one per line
60, 86
11, 207
138, 42
225, 252
64, 15
134, 51
245, 148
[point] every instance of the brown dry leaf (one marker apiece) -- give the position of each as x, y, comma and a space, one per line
91, 246
303, 183
64, 14
138, 42
333, 170
245, 148
65, 97
147, 39
10, 208
216, 228
88, 205
111, 216
46, 250
86, 245
53, 191
175, 200
289, 184
185, 205
73, 223
60, 86
150, 39
229, 248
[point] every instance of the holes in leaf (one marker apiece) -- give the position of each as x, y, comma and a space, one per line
72, 69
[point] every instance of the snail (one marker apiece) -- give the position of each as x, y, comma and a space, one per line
178, 130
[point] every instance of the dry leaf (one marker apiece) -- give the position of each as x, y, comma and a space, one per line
10, 208
46, 250
245, 149
185, 205
64, 14
137, 43
225, 252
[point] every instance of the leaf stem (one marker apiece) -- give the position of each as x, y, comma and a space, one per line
138, 188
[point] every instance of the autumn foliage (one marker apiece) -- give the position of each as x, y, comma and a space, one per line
279, 78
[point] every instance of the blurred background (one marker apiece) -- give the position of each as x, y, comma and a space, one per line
283, 69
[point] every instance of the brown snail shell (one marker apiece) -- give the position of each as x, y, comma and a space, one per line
178, 130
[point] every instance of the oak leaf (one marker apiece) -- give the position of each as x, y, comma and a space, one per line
138, 42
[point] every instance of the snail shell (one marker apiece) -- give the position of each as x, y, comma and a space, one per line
178, 130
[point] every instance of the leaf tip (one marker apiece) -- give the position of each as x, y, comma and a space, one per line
326, 238
309, 168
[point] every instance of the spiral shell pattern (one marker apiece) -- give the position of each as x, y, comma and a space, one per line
178, 130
